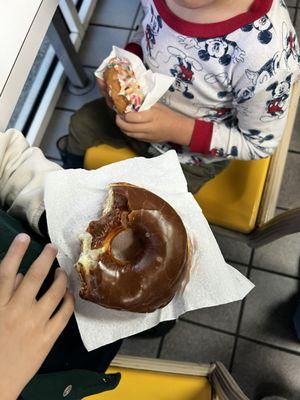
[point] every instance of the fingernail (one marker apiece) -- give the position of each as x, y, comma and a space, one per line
52, 246
22, 237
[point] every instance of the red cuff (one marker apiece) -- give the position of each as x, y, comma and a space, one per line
201, 137
135, 48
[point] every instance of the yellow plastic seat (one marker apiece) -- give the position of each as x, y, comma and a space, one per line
99, 156
230, 200
138, 384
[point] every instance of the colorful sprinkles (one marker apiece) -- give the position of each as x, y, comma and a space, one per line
129, 85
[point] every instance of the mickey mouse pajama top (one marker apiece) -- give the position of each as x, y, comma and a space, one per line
233, 77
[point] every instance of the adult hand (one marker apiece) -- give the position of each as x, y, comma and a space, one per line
159, 124
103, 90
28, 328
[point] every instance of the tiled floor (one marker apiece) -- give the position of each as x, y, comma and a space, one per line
255, 338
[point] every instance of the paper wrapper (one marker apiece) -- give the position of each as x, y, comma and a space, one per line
154, 85
75, 197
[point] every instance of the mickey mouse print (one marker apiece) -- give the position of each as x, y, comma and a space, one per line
233, 78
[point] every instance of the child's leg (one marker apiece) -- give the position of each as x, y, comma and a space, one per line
196, 176
92, 125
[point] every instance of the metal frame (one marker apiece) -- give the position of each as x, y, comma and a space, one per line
281, 225
224, 386
59, 38
71, 17
77, 23
25, 51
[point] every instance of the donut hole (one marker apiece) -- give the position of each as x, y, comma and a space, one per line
126, 246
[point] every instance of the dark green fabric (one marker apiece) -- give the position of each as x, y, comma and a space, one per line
94, 124
69, 385
9, 229
52, 385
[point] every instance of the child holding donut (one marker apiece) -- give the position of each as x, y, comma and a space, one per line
234, 64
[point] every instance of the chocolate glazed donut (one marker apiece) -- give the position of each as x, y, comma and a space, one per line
135, 256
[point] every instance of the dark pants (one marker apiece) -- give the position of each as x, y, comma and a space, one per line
94, 124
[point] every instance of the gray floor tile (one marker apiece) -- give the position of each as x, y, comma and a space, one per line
297, 22
72, 101
98, 42
139, 18
140, 347
56, 161
115, 12
295, 140
187, 342
131, 36
292, 12
57, 127
291, 3
289, 196
222, 317
269, 310
283, 255
261, 371
234, 250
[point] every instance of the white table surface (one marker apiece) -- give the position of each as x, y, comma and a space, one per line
23, 25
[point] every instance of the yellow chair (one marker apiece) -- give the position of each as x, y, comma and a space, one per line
152, 379
241, 201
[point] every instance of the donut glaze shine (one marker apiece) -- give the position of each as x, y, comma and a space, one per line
146, 274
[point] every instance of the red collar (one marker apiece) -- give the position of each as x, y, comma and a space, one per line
258, 9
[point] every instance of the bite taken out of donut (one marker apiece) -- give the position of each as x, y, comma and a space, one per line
123, 88
135, 257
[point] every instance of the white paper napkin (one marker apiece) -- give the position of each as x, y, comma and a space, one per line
154, 85
75, 197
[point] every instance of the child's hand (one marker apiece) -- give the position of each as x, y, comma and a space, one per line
103, 90
159, 124
28, 328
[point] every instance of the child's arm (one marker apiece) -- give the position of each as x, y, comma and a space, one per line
22, 174
28, 328
159, 124
261, 115
255, 132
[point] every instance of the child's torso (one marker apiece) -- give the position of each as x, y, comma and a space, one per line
208, 69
